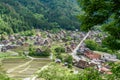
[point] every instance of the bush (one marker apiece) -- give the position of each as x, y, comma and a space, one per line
4, 77
59, 57
70, 66
69, 59
57, 72
59, 50
91, 44
45, 53
95, 46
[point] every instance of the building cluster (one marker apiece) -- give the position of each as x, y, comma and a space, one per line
14, 41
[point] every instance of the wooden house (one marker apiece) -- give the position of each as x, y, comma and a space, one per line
84, 64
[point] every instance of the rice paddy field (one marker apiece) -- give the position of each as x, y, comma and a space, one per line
17, 68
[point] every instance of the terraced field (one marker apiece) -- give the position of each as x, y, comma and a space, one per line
23, 68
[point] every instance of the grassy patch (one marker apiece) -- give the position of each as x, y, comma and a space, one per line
9, 55
56, 72
4, 54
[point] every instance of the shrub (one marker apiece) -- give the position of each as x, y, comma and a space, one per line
91, 44
45, 53
59, 50
69, 59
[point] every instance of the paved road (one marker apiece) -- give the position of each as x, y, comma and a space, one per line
75, 50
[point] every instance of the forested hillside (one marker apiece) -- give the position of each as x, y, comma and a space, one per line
19, 15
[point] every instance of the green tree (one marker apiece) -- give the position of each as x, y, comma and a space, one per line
60, 50
91, 74
91, 44
104, 13
57, 72
69, 59
116, 71
46, 52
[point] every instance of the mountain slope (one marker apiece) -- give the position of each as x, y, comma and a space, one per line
19, 15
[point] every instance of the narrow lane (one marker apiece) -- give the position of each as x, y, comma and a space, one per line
75, 50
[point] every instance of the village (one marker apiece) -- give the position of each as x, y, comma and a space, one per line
83, 58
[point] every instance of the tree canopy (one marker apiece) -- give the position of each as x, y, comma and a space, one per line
105, 13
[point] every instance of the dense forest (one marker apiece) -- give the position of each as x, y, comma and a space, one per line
19, 15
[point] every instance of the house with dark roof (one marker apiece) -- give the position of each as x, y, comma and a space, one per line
3, 49
46, 42
19, 42
68, 49
84, 64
